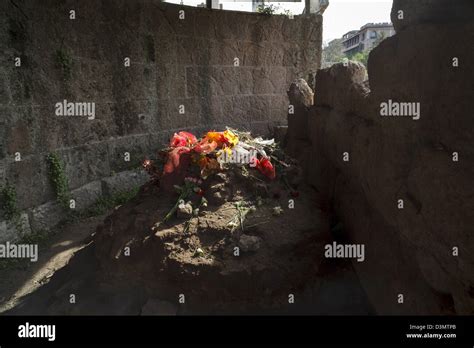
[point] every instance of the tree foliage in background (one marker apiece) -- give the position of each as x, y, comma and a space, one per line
267, 9
271, 9
380, 37
361, 57
332, 53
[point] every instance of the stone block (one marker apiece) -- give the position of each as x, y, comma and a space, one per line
86, 195
12, 231
46, 216
30, 179
136, 146
123, 181
86, 163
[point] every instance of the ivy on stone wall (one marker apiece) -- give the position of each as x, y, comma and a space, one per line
58, 179
9, 202
65, 62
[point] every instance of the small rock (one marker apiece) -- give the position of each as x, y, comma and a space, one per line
277, 211
185, 210
199, 252
221, 177
300, 93
249, 243
218, 194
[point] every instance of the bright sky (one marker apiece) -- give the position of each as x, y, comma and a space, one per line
340, 17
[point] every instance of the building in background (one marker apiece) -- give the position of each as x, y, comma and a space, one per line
332, 53
366, 38
256, 4
311, 6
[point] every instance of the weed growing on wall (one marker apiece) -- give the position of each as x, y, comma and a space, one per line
65, 62
103, 204
9, 202
36, 237
267, 9
58, 179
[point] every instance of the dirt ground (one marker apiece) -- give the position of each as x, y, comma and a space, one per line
280, 254
22, 278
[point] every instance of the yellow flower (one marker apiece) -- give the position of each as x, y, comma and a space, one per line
231, 138
227, 150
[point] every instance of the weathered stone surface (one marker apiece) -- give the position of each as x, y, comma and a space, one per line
127, 153
87, 195
13, 230
123, 181
351, 77
409, 251
280, 134
300, 94
301, 97
30, 179
87, 163
227, 69
46, 216
430, 11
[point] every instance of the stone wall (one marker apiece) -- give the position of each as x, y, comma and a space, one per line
222, 67
408, 12
402, 187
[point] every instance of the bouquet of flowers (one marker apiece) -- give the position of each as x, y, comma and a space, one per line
188, 161
214, 152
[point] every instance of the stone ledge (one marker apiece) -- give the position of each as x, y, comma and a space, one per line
10, 230
123, 181
50, 214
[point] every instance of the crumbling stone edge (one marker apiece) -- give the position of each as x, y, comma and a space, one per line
50, 214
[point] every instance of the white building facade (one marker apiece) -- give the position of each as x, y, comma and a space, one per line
364, 39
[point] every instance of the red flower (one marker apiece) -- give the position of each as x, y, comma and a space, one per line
183, 139
266, 168
173, 159
205, 146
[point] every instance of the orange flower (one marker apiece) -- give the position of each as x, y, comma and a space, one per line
203, 161
214, 136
